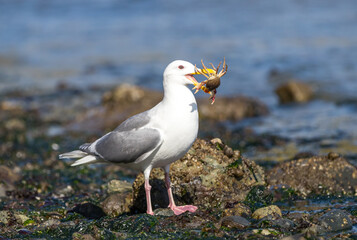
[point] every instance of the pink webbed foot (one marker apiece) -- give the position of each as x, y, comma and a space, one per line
181, 209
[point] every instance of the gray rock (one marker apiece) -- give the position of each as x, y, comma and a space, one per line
167, 212
234, 222
283, 223
335, 220
51, 223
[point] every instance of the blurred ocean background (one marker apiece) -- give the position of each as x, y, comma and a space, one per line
88, 43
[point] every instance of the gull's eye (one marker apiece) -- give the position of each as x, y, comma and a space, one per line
181, 67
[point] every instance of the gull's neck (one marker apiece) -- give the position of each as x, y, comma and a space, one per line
178, 93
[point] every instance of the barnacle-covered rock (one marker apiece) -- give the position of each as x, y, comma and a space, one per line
204, 177
320, 175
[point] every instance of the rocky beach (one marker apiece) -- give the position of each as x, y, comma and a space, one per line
276, 154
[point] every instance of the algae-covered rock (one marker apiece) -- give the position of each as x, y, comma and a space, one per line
320, 175
271, 210
205, 177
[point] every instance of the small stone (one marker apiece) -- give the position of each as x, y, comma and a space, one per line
228, 151
215, 141
264, 232
336, 220
51, 223
333, 155
21, 218
237, 222
271, 210
166, 212
294, 237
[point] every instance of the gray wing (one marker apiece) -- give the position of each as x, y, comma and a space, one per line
126, 147
134, 122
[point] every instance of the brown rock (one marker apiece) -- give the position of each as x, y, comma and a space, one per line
205, 177
316, 175
231, 108
294, 92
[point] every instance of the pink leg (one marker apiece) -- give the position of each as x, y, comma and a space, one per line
148, 197
177, 209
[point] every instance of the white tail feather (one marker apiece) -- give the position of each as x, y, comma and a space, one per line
73, 154
85, 160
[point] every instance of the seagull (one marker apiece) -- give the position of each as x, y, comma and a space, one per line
154, 138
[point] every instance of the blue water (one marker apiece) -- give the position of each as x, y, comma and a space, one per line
87, 43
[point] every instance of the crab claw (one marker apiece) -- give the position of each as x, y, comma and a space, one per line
199, 86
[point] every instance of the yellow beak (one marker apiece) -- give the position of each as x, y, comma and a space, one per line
209, 70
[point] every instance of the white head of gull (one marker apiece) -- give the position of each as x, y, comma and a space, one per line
154, 138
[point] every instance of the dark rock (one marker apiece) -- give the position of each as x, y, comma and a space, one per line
316, 175
231, 108
283, 224
237, 222
272, 210
294, 92
336, 220
117, 203
24, 231
88, 210
204, 177
300, 219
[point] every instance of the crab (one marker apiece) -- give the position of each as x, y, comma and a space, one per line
213, 78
